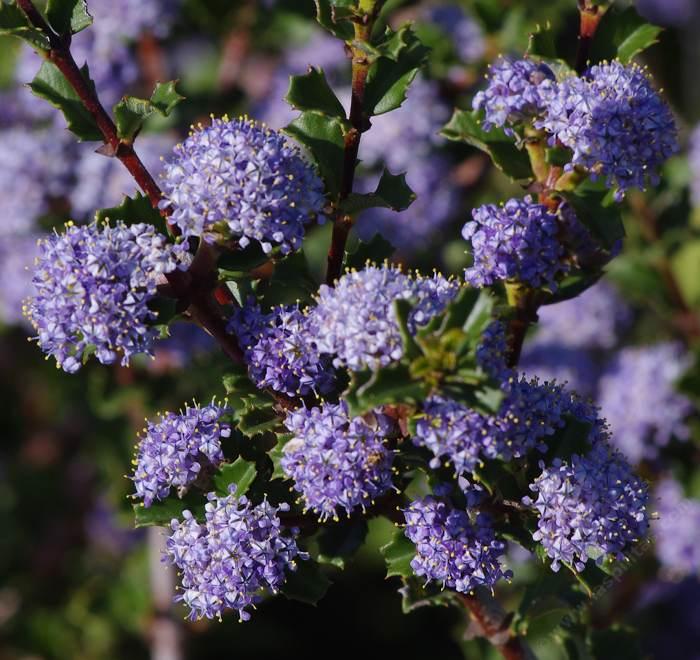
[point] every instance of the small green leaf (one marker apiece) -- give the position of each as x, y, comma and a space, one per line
622, 35
14, 22
131, 211
338, 541
131, 112
597, 210
323, 137
398, 555
391, 74
573, 286
415, 595
376, 250
465, 126
541, 42
308, 584
160, 514
257, 420
392, 193
68, 16
165, 97
685, 264
51, 85
335, 19
402, 311
312, 92
240, 472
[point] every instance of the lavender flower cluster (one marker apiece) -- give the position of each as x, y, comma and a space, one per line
239, 180
177, 450
93, 285
337, 462
230, 560
453, 549
616, 125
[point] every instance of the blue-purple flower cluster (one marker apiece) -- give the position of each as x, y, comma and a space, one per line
92, 289
638, 396
240, 180
175, 451
230, 560
515, 241
588, 507
453, 549
615, 123
281, 350
677, 530
356, 318
337, 463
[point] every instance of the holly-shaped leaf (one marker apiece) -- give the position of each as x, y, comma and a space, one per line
240, 472
14, 22
392, 193
312, 92
398, 555
131, 112
68, 16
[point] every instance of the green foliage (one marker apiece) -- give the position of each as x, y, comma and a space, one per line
465, 126
398, 555
623, 34
597, 210
685, 264
68, 16
242, 473
131, 112
340, 540
415, 595
312, 92
334, 18
14, 22
376, 250
51, 85
399, 57
133, 210
308, 584
160, 514
392, 193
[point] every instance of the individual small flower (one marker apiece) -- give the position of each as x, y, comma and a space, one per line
177, 449
514, 93
356, 319
453, 549
92, 289
594, 320
590, 506
456, 434
336, 462
618, 127
516, 241
238, 179
638, 396
231, 559
280, 350
677, 530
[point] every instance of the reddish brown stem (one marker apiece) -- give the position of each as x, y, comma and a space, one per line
192, 287
590, 19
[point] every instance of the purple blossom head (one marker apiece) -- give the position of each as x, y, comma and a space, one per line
238, 179
514, 93
356, 319
454, 549
228, 561
177, 450
515, 241
280, 350
461, 28
638, 397
594, 320
92, 289
336, 463
677, 530
617, 125
591, 506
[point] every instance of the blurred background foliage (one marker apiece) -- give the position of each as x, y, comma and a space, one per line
79, 582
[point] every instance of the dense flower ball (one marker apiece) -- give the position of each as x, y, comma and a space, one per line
240, 179
616, 124
456, 434
336, 462
588, 507
227, 562
515, 241
453, 549
514, 93
174, 451
677, 530
280, 350
638, 397
93, 285
356, 319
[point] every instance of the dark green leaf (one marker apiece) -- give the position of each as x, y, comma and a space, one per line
240, 472
312, 92
616, 642
308, 584
465, 126
398, 555
323, 137
50, 84
402, 311
165, 97
376, 250
334, 19
599, 213
623, 34
391, 74
392, 193
257, 419
14, 22
131, 112
415, 595
340, 540
541, 42
685, 264
290, 282
131, 211
160, 514
572, 286
68, 16
276, 454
